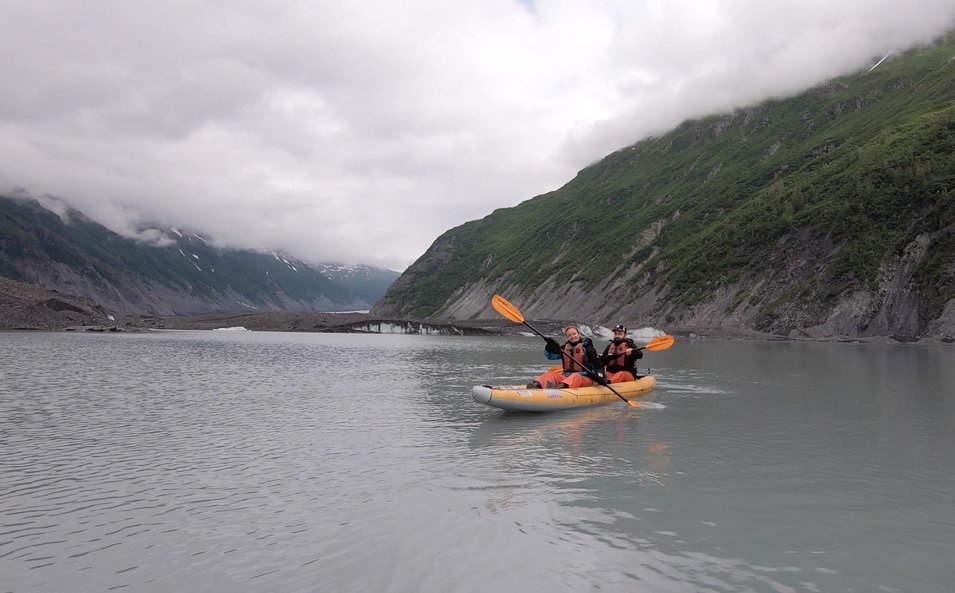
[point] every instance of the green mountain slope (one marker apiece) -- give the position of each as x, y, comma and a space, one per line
826, 213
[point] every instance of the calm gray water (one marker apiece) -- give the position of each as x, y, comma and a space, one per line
241, 461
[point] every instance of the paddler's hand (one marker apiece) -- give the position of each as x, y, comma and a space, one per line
552, 346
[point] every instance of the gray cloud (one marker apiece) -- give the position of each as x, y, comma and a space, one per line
360, 132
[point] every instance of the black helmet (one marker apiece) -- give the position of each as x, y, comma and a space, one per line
619, 327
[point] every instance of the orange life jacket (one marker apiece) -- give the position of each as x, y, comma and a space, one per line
573, 353
618, 354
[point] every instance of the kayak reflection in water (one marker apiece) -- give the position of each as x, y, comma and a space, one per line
576, 355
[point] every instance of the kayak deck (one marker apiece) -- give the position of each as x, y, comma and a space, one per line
518, 397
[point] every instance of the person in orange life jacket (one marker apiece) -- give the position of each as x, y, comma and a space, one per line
620, 356
573, 374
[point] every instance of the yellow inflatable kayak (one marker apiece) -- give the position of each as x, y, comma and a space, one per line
516, 397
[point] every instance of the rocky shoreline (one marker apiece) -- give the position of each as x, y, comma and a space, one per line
29, 307
317, 322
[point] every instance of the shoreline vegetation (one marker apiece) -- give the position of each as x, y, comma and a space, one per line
34, 308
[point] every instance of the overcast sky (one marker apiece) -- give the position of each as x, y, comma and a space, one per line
360, 131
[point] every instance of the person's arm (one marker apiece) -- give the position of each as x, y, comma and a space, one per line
552, 349
605, 357
632, 358
636, 353
593, 360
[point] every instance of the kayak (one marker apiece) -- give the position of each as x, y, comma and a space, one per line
519, 398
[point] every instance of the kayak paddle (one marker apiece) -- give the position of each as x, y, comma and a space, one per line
505, 308
657, 344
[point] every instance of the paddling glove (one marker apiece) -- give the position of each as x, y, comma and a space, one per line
552, 346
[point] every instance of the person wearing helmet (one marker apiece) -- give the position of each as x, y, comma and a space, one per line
620, 357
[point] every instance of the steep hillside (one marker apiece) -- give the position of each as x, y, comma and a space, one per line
181, 274
827, 213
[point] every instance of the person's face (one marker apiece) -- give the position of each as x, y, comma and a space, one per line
572, 334
618, 334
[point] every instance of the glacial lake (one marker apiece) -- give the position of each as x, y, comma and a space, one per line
235, 461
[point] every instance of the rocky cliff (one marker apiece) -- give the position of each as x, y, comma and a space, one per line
828, 213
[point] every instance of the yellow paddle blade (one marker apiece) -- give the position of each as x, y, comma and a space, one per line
661, 343
505, 308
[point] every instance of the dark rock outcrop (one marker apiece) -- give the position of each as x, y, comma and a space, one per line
24, 306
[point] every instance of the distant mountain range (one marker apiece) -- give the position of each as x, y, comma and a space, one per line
180, 274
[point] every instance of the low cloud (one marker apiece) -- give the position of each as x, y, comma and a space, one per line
361, 132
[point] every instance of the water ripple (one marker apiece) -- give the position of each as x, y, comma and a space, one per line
247, 461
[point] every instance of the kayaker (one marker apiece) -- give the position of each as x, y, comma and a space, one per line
573, 374
620, 356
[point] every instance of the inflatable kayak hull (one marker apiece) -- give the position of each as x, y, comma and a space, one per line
516, 397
